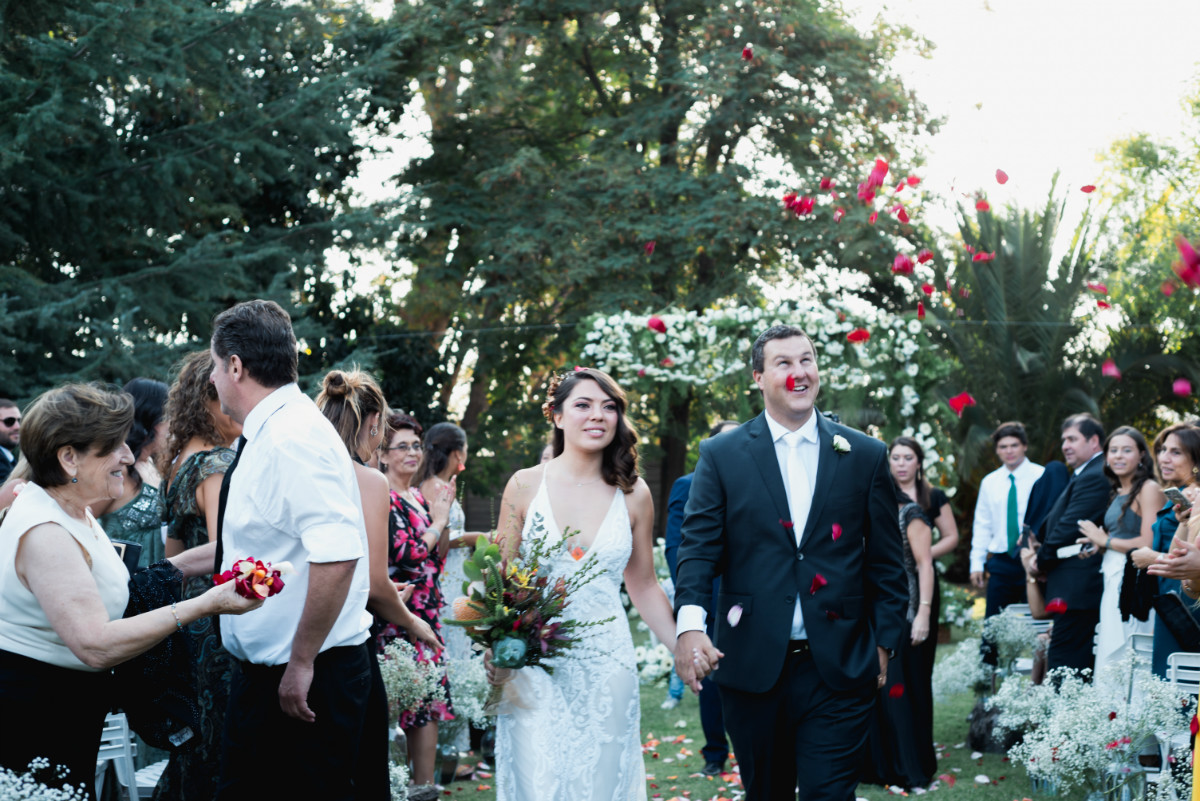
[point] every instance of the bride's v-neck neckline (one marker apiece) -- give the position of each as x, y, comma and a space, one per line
545, 490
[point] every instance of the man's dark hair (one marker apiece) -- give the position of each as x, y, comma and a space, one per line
5, 403
774, 332
1010, 429
260, 333
1088, 426
720, 425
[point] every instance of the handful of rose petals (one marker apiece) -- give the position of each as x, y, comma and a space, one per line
254, 578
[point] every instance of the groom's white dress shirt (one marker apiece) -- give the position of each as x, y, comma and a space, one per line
799, 490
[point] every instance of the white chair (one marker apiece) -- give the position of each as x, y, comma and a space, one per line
1183, 671
1024, 664
117, 746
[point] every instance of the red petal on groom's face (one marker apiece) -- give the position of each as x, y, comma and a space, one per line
791, 383
817, 583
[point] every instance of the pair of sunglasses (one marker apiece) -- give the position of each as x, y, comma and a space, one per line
9, 422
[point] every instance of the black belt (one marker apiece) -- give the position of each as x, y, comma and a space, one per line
799, 650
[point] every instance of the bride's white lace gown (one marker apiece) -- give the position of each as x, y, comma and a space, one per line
575, 735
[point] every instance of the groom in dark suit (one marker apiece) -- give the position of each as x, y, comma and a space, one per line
799, 517
1076, 580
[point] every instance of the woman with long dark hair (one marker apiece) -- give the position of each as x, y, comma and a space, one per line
587, 503
1128, 525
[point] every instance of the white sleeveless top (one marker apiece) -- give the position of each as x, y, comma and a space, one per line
24, 628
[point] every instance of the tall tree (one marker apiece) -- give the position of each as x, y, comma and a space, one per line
588, 158
159, 161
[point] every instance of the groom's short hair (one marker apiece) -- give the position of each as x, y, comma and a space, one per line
774, 332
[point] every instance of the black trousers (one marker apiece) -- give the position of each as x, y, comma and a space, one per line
799, 728
264, 748
55, 713
1005, 584
1072, 639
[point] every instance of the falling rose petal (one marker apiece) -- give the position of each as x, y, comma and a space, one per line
837, 531
1095, 287
927, 289
1182, 387
1001, 177
838, 214
791, 383
961, 401
1103, 305
735, 615
874, 216
982, 205
896, 691
1110, 370
866, 193
786, 523
747, 53
858, 335
900, 187
657, 324
1056, 606
902, 216
902, 264
1168, 288
982, 256
649, 247
1187, 251
817, 583
827, 183
1087, 190
1112, 715
913, 180
924, 255
920, 310
668, 362
968, 248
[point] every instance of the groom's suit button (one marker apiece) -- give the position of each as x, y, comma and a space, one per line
799, 556
788, 599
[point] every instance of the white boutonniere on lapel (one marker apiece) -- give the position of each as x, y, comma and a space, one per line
841, 444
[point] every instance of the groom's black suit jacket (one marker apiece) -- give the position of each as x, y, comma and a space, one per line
735, 527
1076, 581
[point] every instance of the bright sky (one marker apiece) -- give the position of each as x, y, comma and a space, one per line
1034, 86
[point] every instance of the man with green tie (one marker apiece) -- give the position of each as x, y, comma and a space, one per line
1003, 495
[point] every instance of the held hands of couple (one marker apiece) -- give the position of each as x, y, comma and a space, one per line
695, 658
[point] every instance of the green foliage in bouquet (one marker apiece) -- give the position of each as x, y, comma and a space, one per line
515, 607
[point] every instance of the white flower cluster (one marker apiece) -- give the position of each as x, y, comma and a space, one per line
408, 683
654, 663
703, 348
26, 787
1078, 733
1011, 635
960, 672
469, 689
399, 781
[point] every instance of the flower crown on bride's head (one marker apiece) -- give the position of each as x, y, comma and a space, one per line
556, 380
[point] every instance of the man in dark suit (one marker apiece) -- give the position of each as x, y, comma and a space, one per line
716, 749
10, 436
799, 518
1075, 580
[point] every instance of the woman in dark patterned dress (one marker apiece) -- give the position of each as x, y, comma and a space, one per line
419, 538
194, 462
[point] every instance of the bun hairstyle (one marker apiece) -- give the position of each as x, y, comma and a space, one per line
187, 408
149, 405
441, 440
347, 399
620, 460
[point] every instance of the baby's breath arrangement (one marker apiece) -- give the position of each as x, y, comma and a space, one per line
654, 663
469, 691
399, 781
961, 671
1011, 635
27, 787
409, 683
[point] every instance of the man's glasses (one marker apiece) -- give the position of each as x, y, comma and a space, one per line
9, 422
411, 447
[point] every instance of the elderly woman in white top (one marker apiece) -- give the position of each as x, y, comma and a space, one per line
63, 588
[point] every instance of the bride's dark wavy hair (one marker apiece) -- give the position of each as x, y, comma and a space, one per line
620, 459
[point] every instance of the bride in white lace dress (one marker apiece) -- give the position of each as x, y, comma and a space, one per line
575, 735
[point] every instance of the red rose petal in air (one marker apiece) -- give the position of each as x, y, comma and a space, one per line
1168, 288
735, 615
1182, 387
1087, 190
1189, 269
791, 383
896, 691
747, 53
649, 248
913, 180
924, 255
1056, 606
921, 309
1001, 177
968, 248
900, 187
827, 183
902, 264
786, 523
836, 531
961, 401
927, 289
656, 324
902, 216
817, 583
858, 335
1101, 288
668, 362
1103, 305
874, 216
865, 193
1110, 370
1112, 715
838, 214
982, 205
982, 256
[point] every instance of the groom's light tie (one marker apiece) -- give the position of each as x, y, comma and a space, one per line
799, 489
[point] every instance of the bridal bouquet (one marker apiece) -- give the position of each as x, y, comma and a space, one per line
515, 608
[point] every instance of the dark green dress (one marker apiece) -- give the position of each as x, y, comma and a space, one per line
192, 774
139, 521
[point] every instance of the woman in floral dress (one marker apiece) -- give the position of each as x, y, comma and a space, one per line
194, 462
418, 543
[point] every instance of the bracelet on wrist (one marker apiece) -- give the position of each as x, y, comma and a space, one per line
926, 603
175, 614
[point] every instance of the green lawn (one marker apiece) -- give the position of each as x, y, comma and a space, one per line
675, 767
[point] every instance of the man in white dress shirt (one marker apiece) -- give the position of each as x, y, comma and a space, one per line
300, 691
999, 511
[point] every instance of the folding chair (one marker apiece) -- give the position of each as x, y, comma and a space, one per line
117, 746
